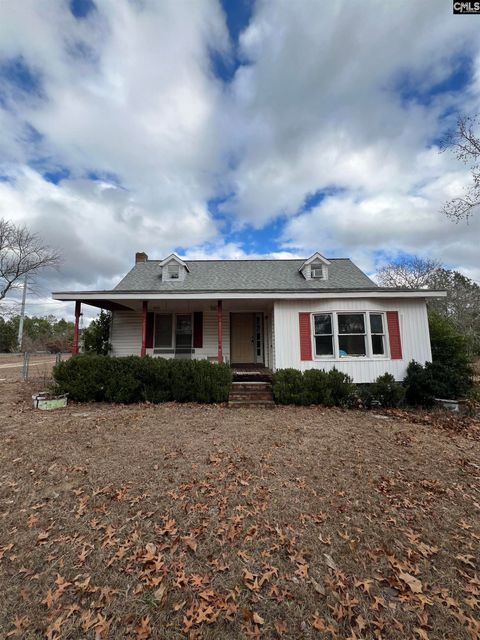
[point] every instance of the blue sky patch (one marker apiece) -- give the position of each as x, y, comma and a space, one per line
82, 8
237, 15
412, 88
16, 76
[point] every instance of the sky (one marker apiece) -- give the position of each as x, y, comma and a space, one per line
233, 129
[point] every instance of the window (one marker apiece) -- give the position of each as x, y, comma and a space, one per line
351, 335
183, 334
377, 332
163, 331
316, 271
173, 271
323, 332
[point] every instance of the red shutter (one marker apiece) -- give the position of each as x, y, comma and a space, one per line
394, 335
150, 323
305, 336
198, 330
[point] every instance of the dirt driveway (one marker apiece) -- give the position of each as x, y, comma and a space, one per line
205, 522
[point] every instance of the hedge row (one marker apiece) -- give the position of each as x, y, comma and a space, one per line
94, 378
334, 388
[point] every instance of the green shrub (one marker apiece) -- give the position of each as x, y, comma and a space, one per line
449, 375
82, 377
288, 387
316, 388
341, 388
419, 385
386, 391
133, 379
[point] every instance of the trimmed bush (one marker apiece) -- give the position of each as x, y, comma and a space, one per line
341, 388
83, 377
386, 391
92, 378
316, 389
314, 386
288, 387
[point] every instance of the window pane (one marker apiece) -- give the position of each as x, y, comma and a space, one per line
351, 346
323, 323
378, 348
184, 332
376, 322
324, 346
173, 271
163, 330
351, 323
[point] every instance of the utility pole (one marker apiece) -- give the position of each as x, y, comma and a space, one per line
22, 314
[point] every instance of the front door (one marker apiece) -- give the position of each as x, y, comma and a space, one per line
247, 338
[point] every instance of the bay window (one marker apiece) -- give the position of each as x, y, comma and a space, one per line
349, 335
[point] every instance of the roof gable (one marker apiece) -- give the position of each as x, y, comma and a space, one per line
317, 257
172, 257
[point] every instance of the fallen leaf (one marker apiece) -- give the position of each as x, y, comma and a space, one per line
414, 584
258, 619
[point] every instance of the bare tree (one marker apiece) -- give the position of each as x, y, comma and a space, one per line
21, 253
412, 273
464, 142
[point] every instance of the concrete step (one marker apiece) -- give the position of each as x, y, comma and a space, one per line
250, 386
251, 394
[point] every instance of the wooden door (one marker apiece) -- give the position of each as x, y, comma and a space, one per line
242, 331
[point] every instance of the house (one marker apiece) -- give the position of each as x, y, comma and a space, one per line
313, 313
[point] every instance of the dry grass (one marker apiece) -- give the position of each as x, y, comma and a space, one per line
204, 522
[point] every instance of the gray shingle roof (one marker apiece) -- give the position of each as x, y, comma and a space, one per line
245, 275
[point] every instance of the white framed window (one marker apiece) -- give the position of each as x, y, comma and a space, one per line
377, 334
323, 335
317, 271
349, 334
173, 333
173, 271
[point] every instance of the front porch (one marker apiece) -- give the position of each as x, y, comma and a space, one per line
229, 331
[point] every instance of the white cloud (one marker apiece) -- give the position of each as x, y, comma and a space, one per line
129, 94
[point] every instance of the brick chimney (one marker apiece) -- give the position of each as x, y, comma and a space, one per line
141, 257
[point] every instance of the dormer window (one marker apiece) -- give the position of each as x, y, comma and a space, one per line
173, 271
173, 268
315, 268
317, 272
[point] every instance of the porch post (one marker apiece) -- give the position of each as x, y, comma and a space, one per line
78, 308
219, 331
143, 352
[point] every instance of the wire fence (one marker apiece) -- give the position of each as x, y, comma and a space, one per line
28, 365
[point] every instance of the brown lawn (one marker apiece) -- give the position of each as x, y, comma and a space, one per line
204, 522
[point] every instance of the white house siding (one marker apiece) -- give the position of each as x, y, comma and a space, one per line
126, 333
414, 332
